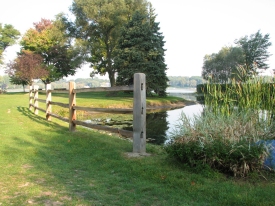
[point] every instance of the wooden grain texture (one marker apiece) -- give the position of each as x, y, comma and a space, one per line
30, 98
35, 99
124, 133
60, 104
139, 114
48, 102
72, 102
104, 110
104, 89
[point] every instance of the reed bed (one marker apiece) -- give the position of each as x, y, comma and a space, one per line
231, 133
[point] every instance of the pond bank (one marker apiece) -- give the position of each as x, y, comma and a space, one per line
167, 106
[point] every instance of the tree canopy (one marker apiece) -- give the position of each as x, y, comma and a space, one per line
49, 39
255, 50
98, 24
8, 37
140, 50
26, 67
241, 62
223, 66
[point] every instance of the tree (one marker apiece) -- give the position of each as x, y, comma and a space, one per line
98, 24
26, 67
223, 66
49, 39
244, 61
18, 81
255, 50
8, 37
140, 49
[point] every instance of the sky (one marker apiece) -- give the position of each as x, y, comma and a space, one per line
191, 28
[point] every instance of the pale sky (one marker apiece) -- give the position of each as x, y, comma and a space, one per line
191, 28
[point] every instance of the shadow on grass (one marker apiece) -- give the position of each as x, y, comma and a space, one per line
36, 118
89, 169
57, 167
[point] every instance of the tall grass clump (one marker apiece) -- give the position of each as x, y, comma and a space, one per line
230, 134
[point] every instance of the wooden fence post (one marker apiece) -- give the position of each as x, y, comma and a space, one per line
35, 99
72, 102
30, 97
48, 102
139, 114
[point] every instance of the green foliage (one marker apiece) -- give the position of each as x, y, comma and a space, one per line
255, 50
140, 50
236, 117
18, 81
251, 53
8, 37
98, 24
49, 39
226, 143
254, 94
222, 67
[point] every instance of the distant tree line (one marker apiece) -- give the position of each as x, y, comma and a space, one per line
182, 81
6, 83
174, 81
80, 83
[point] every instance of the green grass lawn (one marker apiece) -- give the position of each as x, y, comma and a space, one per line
42, 163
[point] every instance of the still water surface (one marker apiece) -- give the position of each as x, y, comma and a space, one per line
160, 125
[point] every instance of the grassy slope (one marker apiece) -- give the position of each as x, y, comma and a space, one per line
43, 163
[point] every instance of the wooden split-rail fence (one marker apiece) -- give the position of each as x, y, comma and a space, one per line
139, 109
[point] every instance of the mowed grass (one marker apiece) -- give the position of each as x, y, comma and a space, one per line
42, 163
105, 100
111, 100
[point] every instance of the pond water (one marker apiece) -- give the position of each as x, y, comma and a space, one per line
174, 115
160, 125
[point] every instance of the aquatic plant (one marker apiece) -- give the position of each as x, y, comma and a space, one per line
228, 135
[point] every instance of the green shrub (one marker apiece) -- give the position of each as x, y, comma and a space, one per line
237, 116
226, 143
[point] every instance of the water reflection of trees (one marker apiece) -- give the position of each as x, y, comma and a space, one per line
156, 127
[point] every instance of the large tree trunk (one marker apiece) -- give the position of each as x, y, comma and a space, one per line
112, 79
110, 69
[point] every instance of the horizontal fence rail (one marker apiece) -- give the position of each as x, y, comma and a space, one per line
122, 132
95, 89
139, 109
106, 110
59, 104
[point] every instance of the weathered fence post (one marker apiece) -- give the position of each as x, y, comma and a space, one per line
139, 114
35, 99
48, 102
72, 102
30, 97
